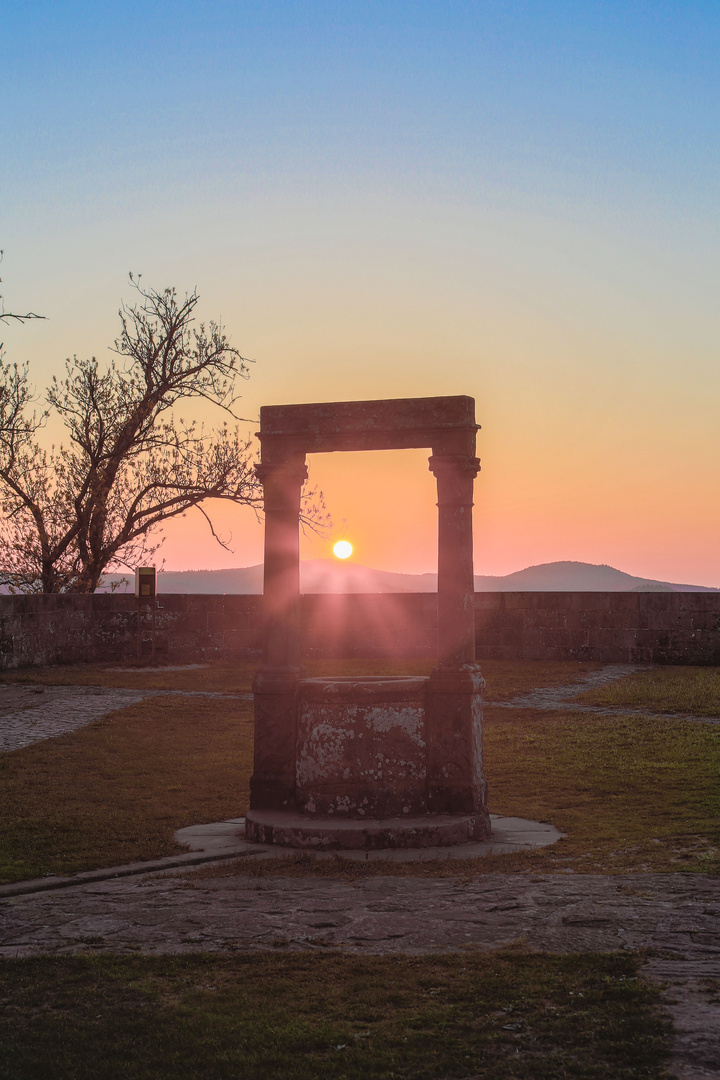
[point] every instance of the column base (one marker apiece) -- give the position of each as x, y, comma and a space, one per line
310, 832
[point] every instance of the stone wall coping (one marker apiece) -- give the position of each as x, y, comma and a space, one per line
363, 690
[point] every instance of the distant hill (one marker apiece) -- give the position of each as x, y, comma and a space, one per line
332, 576
577, 577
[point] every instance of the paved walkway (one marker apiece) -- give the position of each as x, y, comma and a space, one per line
559, 698
675, 915
30, 713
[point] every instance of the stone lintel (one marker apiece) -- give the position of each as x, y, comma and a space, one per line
445, 423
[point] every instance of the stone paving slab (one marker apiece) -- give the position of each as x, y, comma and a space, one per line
676, 914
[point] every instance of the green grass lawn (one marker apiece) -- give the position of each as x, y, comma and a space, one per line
694, 690
117, 790
227, 678
631, 794
304, 1016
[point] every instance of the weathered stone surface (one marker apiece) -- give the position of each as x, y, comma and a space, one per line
455, 764
389, 424
675, 914
272, 783
509, 834
361, 747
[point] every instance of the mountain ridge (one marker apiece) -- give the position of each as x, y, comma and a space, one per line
330, 575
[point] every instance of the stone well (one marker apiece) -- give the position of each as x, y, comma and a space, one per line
372, 762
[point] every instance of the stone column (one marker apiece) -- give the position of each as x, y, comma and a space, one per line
272, 784
455, 474
282, 485
455, 783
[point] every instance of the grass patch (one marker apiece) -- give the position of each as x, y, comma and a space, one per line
300, 1016
116, 791
693, 690
507, 678
504, 678
633, 795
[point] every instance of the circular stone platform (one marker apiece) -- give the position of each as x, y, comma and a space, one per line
295, 830
226, 840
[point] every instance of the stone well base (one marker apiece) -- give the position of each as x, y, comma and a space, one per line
291, 829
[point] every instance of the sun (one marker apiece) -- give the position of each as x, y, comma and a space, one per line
343, 549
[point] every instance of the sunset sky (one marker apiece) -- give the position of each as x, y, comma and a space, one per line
512, 200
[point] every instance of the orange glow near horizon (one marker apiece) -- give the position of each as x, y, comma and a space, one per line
560, 503
385, 499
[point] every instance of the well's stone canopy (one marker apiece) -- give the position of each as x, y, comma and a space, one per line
405, 750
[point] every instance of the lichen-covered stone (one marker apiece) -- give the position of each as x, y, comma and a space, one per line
361, 747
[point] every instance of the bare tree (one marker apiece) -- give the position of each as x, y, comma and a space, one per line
99, 501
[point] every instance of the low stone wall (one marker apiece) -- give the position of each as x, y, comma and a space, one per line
665, 628
37, 630
611, 627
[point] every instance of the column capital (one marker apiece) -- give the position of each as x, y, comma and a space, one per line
291, 471
454, 463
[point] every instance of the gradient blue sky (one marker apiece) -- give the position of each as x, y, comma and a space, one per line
517, 201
